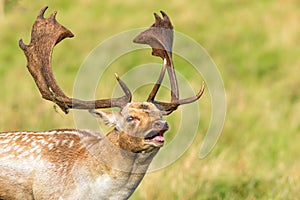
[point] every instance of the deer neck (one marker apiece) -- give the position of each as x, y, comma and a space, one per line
118, 156
127, 151
127, 168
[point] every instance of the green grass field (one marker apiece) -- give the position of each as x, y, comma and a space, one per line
255, 45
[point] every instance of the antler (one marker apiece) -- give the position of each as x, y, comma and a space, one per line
46, 33
160, 37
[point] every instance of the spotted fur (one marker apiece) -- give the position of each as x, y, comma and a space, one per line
81, 164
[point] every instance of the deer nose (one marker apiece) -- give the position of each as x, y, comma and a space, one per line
162, 125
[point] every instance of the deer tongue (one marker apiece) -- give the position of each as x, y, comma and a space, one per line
159, 138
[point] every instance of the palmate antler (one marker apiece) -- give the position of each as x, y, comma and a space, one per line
46, 33
160, 37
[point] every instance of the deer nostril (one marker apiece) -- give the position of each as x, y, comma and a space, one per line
161, 125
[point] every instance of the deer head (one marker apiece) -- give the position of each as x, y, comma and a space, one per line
85, 158
140, 126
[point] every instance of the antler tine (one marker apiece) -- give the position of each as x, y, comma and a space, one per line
168, 108
160, 37
173, 82
46, 33
158, 83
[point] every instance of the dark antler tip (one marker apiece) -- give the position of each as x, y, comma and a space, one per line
163, 13
22, 45
71, 35
165, 16
157, 17
42, 12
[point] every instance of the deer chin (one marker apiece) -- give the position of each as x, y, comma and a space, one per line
155, 138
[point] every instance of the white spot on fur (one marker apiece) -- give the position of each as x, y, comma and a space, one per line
33, 143
16, 137
7, 149
71, 143
5, 141
57, 141
24, 138
20, 149
16, 147
7, 157
50, 146
64, 142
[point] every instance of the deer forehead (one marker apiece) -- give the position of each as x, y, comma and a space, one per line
142, 110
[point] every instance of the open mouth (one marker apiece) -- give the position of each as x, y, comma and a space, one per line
155, 136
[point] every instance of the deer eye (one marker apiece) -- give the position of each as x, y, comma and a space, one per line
129, 119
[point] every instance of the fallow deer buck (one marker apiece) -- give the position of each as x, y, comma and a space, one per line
82, 164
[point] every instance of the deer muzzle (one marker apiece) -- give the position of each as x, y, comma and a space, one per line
156, 135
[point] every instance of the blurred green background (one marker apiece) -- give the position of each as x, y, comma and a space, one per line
256, 46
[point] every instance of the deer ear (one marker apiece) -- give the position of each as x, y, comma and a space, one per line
109, 118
